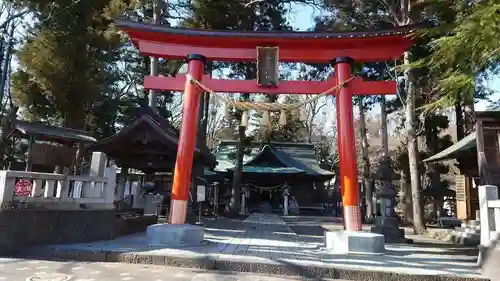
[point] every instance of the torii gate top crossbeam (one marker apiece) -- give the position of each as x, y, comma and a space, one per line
311, 47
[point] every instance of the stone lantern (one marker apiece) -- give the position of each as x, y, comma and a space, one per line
387, 222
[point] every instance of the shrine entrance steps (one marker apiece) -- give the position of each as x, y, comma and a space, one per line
266, 244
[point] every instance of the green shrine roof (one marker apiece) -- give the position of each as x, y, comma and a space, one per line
449, 153
272, 158
271, 170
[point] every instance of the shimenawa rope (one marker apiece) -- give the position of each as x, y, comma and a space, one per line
267, 106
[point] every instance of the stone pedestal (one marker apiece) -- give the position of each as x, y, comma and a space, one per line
388, 227
175, 235
350, 242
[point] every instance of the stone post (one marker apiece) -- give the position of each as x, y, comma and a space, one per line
6, 188
387, 223
286, 192
109, 188
137, 193
243, 199
485, 194
97, 164
97, 168
122, 183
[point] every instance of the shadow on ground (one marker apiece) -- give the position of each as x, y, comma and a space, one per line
282, 249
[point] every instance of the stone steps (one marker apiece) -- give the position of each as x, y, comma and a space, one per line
468, 234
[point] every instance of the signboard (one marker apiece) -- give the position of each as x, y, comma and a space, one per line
23, 188
50, 154
200, 193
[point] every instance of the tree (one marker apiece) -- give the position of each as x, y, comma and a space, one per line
314, 108
367, 180
461, 67
64, 64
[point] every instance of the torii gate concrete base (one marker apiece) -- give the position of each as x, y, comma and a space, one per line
354, 242
175, 235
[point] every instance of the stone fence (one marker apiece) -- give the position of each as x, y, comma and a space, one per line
57, 191
41, 208
489, 205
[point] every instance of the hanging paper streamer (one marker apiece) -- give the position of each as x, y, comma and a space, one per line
244, 119
303, 114
283, 118
264, 121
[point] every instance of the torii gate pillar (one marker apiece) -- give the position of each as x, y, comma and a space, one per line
187, 142
347, 147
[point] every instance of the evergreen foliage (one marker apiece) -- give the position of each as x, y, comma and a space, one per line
465, 52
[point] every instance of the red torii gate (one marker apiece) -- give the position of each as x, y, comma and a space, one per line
198, 46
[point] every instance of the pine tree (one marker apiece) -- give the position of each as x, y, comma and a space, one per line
65, 61
465, 53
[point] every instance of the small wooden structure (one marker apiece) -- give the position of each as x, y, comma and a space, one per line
462, 155
148, 144
477, 156
488, 147
49, 146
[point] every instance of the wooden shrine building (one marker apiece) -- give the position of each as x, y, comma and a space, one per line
268, 168
149, 144
465, 155
48, 146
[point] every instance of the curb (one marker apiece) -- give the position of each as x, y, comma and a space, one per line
282, 268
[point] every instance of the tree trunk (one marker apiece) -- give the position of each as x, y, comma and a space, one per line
6, 64
407, 201
153, 60
418, 218
366, 163
459, 116
234, 205
383, 126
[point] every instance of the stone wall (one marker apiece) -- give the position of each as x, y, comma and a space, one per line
126, 225
20, 229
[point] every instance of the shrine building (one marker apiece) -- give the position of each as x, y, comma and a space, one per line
271, 168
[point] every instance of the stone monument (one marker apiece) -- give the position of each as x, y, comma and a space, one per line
152, 204
387, 223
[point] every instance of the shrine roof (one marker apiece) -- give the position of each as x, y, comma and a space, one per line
298, 35
271, 170
148, 143
50, 133
450, 152
290, 158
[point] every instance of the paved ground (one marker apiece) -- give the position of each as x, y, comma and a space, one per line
266, 243
38, 270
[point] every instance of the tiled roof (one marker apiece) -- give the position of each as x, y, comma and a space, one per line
296, 157
51, 133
